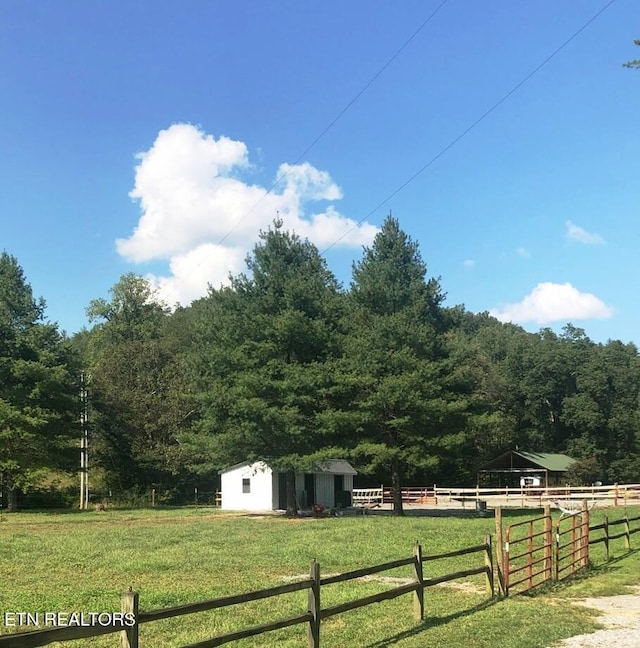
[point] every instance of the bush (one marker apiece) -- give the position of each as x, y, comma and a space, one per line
625, 471
584, 472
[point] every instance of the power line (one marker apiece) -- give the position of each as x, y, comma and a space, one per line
472, 126
332, 123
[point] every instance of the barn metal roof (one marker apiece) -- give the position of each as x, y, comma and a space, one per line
519, 459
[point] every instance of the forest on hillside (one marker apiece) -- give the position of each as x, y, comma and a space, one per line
286, 365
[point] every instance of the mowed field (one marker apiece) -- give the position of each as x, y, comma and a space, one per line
82, 561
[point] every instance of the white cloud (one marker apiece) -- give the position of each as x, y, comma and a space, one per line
523, 252
551, 302
197, 214
323, 229
305, 182
193, 271
468, 263
576, 233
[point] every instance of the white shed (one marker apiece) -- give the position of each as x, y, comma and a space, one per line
256, 487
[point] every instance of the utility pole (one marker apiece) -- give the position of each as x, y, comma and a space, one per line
84, 443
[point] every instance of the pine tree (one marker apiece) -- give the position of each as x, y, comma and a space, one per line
261, 355
395, 353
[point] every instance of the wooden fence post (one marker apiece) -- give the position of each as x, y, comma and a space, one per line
129, 605
556, 574
548, 542
574, 542
418, 597
314, 606
530, 556
606, 536
499, 549
627, 532
488, 561
588, 533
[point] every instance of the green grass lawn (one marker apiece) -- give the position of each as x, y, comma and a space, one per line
83, 561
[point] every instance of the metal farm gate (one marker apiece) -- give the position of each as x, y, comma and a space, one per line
572, 544
526, 557
529, 555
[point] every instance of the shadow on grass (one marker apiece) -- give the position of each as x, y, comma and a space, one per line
433, 622
611, 561
469, 512
543, 590
147, 512
46, 511
606, 567
429, 512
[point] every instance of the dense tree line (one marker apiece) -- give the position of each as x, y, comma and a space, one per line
288, 366
38, 391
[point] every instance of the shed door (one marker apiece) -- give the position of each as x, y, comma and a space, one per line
282, 491
338, 487
310, 488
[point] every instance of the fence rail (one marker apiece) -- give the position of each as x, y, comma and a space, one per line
44, 637
313, 616
612, 494
607, 537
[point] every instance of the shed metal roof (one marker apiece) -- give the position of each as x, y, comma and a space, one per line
335, 467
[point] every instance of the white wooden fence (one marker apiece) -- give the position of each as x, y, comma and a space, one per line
611, 495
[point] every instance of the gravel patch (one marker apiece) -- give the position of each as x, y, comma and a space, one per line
621, 617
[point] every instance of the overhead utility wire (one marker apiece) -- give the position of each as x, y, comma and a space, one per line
471, 127
332, 123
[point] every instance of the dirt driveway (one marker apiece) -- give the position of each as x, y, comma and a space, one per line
621, 617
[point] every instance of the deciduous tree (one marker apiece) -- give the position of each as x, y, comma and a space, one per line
138, 395
38, 388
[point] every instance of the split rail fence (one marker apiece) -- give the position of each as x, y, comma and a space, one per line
311, 617
606, 536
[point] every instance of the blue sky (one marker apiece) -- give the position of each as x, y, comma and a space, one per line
149, 136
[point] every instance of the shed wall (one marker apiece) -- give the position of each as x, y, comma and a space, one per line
261, 493
264, 487
324, 490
